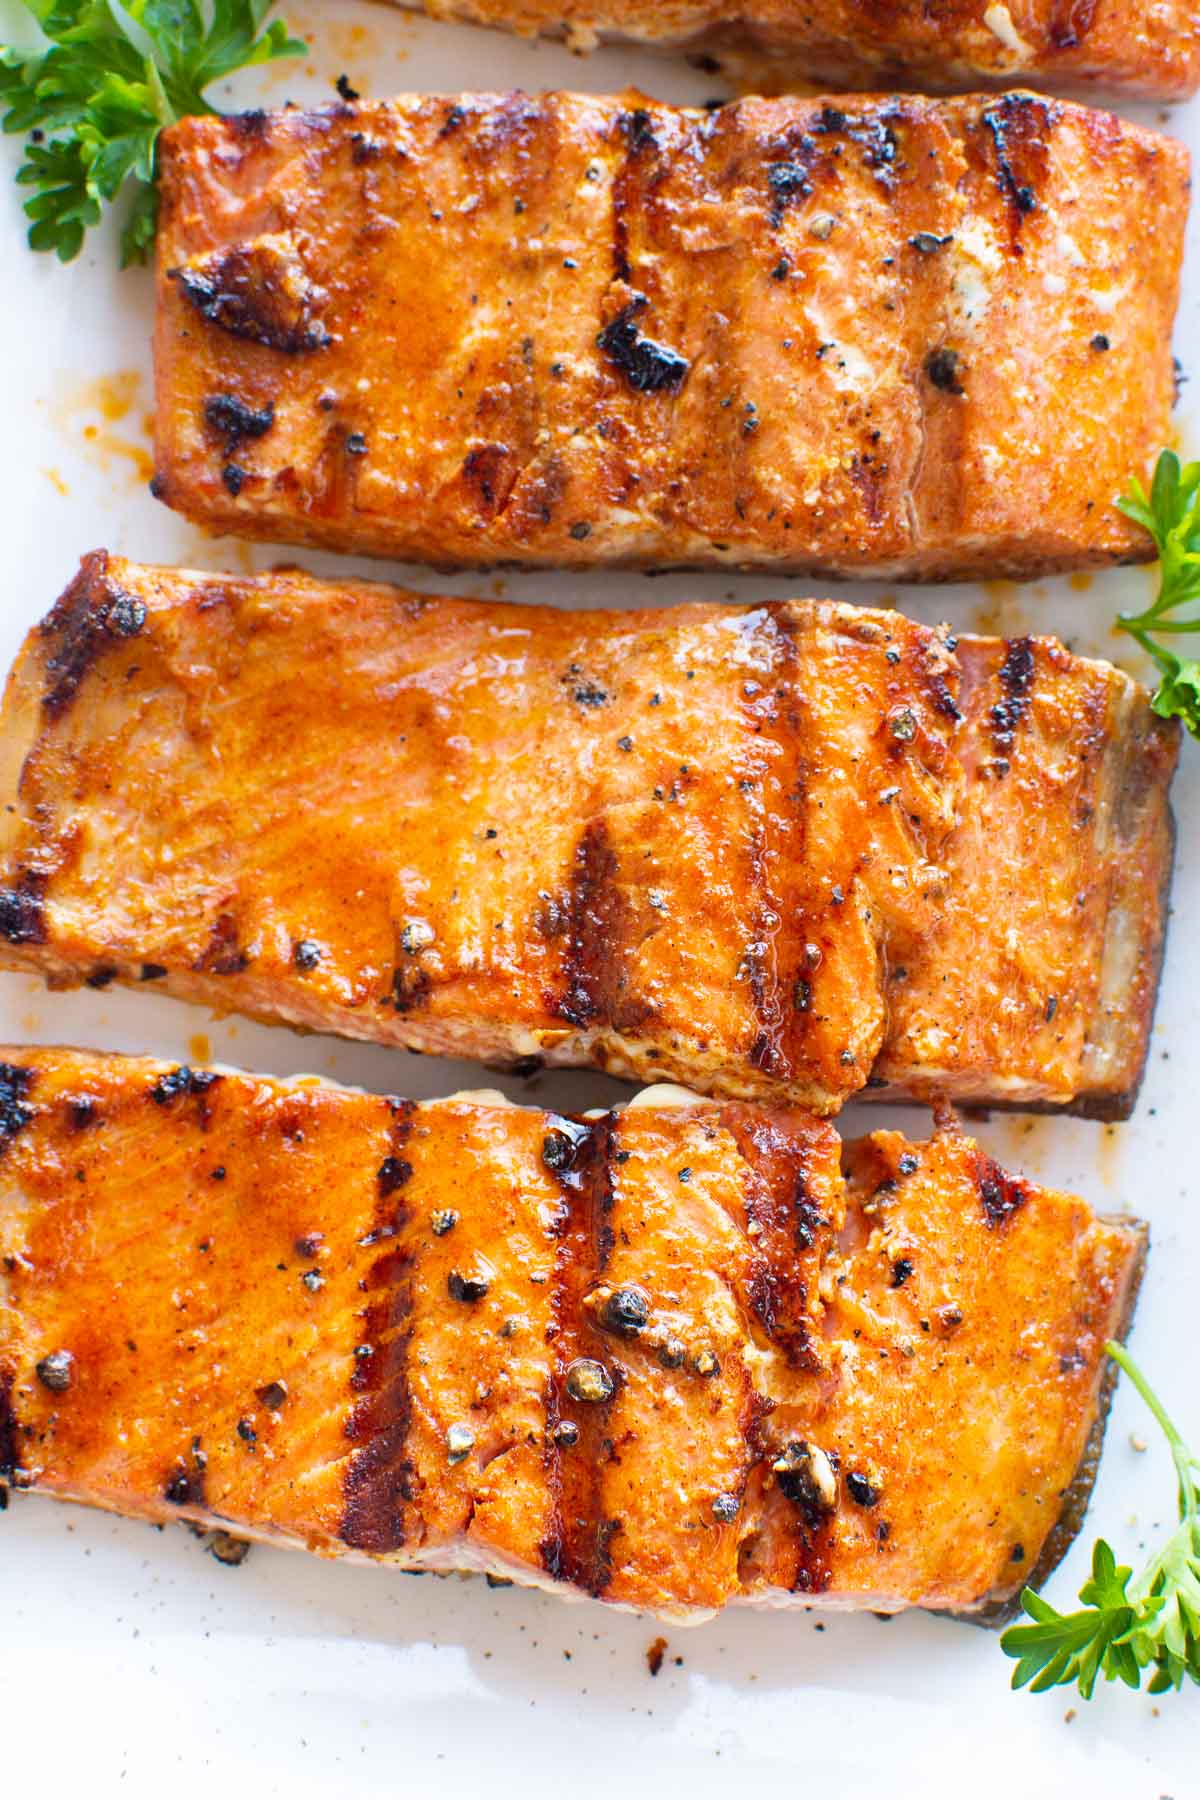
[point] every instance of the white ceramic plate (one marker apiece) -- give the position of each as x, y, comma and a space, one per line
132, 1662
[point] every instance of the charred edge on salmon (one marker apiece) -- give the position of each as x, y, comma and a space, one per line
1001, 1194
378, 1481
184, 1484
89, 617
1016, 678
578, 1545
15, 1115
9, 1455
23, 909
241, 292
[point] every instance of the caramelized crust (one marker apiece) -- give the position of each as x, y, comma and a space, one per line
668, 1357
1149, 47
777, 851
896, 337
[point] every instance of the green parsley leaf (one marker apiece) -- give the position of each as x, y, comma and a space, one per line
92, 103
1170, 512
1127, 1625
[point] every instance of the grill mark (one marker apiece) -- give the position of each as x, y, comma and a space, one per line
1016, 678
378, 1483
1018, 125
578, 1545
592, 969
777, 1165
90, 615
1000, 1194
637, 132
772, 959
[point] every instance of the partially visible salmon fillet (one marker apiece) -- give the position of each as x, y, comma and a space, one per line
666, 1356
1147, 47
787, 851
893, 336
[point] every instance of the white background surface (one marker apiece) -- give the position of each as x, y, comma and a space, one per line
130, 1661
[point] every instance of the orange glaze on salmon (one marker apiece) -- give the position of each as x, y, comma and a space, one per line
893, 337
666, 1356
782, 851
1149, 47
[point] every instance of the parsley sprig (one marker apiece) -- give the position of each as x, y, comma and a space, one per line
1171, 514
91, 104
1127, 1624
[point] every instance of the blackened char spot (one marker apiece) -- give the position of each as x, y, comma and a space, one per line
195, 1083
1016, 678
15, 1115
378, 1483
649, 367
184, 1484
260, 291
223, 956
490, 473
91, 615
1000, 1193
233, 420
637, 128
578, 1546
1070, 23
23, 909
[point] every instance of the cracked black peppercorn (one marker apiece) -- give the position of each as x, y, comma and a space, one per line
442, 1220
313, 1280
860, 1490
726, 1508
467, 1288
706, 1363
626, 1311
671, 1353
56, 1370
589, 1381
557, 1150
566, 1434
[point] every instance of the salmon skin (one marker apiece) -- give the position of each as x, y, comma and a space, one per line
893, 337
1145, 47
792, 851
668, 1356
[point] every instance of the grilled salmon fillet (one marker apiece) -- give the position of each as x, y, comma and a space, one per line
667, 1356
1148, 47
893, 337
783, 851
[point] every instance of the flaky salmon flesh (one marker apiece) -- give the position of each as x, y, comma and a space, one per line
1149, 47
669, 1356
893, 336
798, 851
